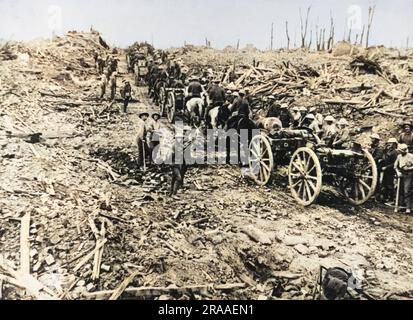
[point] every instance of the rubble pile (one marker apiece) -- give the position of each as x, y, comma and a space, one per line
361, 84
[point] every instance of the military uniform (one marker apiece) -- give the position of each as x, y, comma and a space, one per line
103, 84
407, 138
404, 168
100, 65
126, 95
329, 131
112, 87
389, 158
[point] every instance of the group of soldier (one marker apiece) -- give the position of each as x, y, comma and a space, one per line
394, 162
108, 69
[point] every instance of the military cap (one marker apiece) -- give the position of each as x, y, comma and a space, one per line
392, 140
343, 122
310, 116
403, 147
375, 136
143, 114
330, 118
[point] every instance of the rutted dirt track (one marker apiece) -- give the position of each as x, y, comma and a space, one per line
197, 239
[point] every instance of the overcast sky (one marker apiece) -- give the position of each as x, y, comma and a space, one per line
172, 22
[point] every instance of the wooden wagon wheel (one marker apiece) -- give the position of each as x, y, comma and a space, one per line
305, 176
364, 179
171, 107
261, 161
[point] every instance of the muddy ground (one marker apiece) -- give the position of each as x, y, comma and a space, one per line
197, 238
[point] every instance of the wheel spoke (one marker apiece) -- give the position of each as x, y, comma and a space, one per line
363, 193
261, 174
296, 183
311, 185
307, 188
364, 185
300, 162
312, 178
265, 166
297, 167
255, 154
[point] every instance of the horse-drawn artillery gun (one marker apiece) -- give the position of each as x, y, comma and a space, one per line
311, 164
174, 103
140, 69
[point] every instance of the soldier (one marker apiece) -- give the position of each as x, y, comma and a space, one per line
216, 96
100, 65
404, 171
273, 108
113, 86
126, 93
152, 137
114, 65
387, 167
342, 138
248, 96
103, 85
311, 123
407, 135
329, 130
376, 151
285, 116
241, 105
194, 89
318, 115
303, 112
296, 115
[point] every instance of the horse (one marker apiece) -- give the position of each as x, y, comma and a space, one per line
238, 123
218, 116
195, 108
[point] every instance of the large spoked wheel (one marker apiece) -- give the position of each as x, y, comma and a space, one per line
362, 184
261, 161
305, 176
170, 107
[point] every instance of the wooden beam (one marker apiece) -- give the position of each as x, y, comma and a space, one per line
24, 244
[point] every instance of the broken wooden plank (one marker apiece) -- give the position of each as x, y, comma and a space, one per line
24, 244
89, 256
337, 101
27, 281
158, 291
97, 261
125, 283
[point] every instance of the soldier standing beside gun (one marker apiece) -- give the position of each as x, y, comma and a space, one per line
407, 135
389, 158
404, 170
